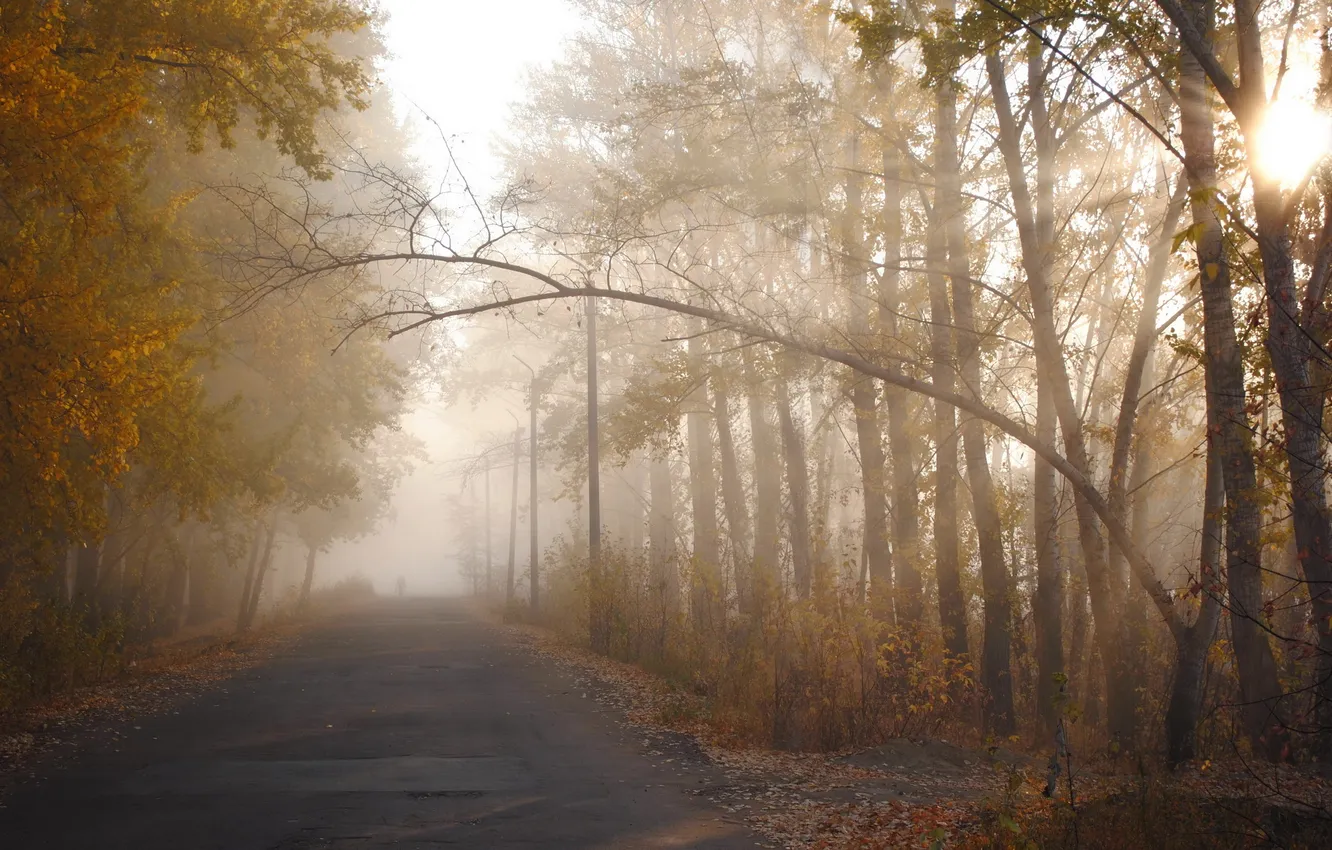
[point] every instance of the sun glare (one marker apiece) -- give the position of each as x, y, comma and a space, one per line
1294, 138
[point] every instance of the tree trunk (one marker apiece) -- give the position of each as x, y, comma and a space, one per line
822, 410
767, 487
869, 434
178, 586
1079, 627
633, 478
311, 551
533, 503
1106, 609
996, 652
733, 494
1045, 497
111, 565
599, 604
201, 600
1224, 368
952, 604
878, 557
513, 519
265, 570
797, 484
256, 547
1184, 710
183, 613
704, 586
257, 589
908, 604
86, 566
1123, 727
1291, 335
1049, 591
661, 536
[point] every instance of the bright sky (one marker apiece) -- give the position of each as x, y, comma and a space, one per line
462, 62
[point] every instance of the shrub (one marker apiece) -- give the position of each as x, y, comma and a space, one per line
812, 674
49, 646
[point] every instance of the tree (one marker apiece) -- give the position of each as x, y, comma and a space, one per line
92, 267
997, 246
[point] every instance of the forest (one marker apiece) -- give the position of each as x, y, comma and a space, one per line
878, 369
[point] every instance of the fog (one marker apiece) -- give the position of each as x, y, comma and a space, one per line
886, 360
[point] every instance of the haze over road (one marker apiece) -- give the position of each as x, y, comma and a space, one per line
409, 723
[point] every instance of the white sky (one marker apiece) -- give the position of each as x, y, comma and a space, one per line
462, 62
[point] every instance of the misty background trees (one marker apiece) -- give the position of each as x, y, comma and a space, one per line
172, 445
954, 362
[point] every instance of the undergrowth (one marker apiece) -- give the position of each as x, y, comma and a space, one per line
812, 674
821, 674
49, 646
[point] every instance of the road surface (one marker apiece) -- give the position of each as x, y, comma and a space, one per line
410, 724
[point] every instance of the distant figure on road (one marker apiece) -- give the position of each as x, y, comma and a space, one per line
402, 585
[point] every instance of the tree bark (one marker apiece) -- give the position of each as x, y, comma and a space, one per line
311, 551
257, 588
1184, 710
599, 603
632, 480
1224, 367
1291, 332
952, 604
1049, 606
869, 433
178, 584
1123, 721
703, 497
878, 557
533, 503
822, 410
661, 536
201, 600
767, 487
1105, 601
510, 579
996, 652
256, 548
908, 602
86, 566
797, 484
733, 493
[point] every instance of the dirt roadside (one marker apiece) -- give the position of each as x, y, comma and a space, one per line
38, 738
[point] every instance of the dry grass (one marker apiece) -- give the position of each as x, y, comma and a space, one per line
780, 705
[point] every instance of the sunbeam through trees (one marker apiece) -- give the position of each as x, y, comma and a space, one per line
837, 377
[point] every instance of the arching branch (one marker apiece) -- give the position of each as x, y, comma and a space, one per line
1118, 532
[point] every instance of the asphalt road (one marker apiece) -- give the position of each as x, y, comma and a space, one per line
408, 724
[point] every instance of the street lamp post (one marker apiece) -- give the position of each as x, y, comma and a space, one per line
513, 511
598, 615
489, 536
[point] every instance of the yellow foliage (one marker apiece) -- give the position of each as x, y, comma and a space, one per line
90, 272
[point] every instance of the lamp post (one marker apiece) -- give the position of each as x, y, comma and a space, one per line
513, 510
599, 621
489, 536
